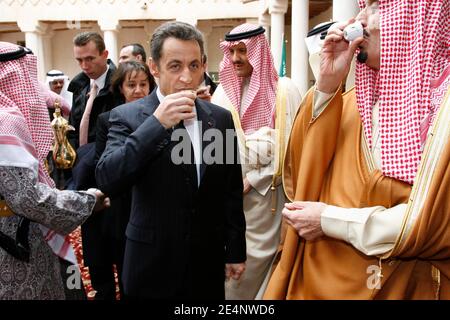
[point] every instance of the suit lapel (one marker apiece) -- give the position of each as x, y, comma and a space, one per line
150, 103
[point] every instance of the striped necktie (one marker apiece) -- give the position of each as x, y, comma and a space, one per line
84, 125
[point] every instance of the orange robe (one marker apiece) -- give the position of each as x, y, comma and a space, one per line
328, 161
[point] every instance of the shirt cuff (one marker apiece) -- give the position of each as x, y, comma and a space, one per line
333, 224
371, 230
259, 181
321, 100
336, 220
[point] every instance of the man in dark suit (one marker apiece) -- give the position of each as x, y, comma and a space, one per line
97, 70
186, 232
92, 57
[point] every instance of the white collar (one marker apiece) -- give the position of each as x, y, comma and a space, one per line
100, 81
159, 94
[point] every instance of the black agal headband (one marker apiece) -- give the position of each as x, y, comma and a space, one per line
19, 53
244, 35
322, 30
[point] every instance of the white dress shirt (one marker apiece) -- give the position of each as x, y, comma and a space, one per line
100, 81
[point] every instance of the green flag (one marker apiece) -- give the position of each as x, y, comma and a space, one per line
283, 72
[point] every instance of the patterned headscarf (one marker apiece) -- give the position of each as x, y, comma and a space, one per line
24, 123
258, 108
24, 114
410, 85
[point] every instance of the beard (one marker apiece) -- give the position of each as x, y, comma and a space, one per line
362, 57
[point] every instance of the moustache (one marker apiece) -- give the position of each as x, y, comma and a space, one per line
362, 57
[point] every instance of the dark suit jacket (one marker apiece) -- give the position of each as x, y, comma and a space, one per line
84, 168
180, 235
80, 87
115, 218
210, 82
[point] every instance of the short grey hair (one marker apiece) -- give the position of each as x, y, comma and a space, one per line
174, 29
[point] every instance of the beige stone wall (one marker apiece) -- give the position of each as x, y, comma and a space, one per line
13, 37
323, 17
82, 10
62, 49
215, 54
132, 20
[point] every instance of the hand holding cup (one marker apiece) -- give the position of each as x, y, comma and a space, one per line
176, 107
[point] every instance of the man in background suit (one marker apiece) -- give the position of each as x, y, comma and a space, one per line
132, 51
92, 57
186, 233
95, 78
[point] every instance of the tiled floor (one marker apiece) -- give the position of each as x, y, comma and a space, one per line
75, 239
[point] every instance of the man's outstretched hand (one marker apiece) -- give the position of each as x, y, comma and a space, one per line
101, 201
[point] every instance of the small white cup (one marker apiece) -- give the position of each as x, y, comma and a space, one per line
353, 31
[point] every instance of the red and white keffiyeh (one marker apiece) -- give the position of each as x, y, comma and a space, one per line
25, 124
258, 108
411, 82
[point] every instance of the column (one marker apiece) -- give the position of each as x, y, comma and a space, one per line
277, 10
299, 51
342, 11
34, 31
110, 28
264, 21
48, 49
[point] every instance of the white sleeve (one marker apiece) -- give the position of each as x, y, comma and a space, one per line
321, 100
372, 230
261, 180
260, 151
